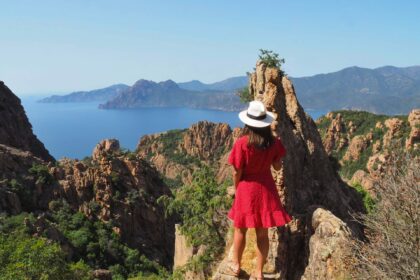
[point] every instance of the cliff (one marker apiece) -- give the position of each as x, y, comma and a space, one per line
15, 129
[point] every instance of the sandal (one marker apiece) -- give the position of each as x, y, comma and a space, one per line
232, 269
253, 277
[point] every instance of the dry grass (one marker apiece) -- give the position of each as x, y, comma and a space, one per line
392, 250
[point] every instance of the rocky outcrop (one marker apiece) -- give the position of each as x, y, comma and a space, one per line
413, 139
393, 126
333, 139
15, 129
107, 146
307, 177
358, 144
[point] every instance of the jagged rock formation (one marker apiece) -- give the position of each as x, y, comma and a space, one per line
114, 187
15, 129
307, 178
372, 140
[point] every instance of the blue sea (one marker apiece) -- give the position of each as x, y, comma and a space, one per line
73, 129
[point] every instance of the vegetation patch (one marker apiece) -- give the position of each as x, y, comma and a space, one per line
94, 243
202, 206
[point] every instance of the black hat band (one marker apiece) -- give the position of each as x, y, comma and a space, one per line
262, 117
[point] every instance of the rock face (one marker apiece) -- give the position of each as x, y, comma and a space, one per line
176, 154
15, 129
20, 189
183, 252
307, 178
206, 140
327, 247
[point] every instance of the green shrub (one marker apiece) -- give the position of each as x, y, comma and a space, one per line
42, 174
25, 193
25, 257
368, 201
95, 246
245, 95
271, 59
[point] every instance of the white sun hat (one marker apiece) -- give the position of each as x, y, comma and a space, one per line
256, 115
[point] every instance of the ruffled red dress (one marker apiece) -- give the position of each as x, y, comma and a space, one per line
257, 203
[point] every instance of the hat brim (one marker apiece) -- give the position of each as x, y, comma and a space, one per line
269, 118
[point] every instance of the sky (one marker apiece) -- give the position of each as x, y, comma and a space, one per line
59, 46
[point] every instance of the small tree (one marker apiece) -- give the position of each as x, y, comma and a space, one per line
245, 95
271, 59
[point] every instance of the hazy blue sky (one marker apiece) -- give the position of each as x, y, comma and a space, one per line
51, 46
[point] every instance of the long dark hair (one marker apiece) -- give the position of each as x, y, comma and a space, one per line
259, 137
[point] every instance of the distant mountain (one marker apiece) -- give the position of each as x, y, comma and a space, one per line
387, 90
97, 95
231, 84
384, 90
146, 93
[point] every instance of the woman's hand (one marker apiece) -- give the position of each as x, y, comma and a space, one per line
237, 175
277, 165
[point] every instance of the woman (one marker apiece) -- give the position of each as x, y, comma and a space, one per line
257, 203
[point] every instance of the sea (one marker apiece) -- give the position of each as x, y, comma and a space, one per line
72, 130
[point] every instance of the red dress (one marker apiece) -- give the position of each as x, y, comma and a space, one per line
257, 203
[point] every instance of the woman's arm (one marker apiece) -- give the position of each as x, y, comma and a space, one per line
237, 175
277, 165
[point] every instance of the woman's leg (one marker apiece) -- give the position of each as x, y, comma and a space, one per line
239, 239
262, 250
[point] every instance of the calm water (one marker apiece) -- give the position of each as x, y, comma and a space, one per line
73, 129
